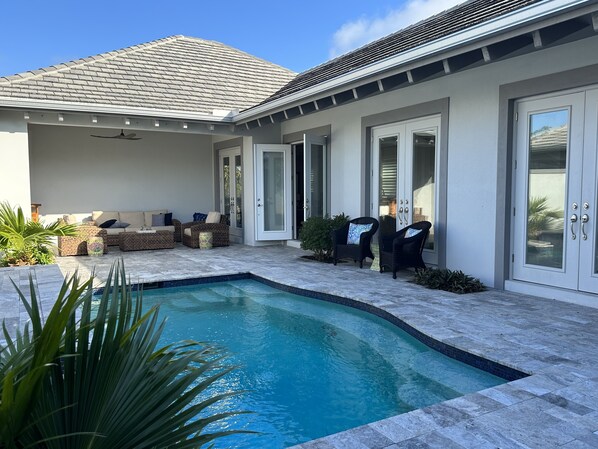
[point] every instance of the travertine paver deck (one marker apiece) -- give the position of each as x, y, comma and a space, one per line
556, 342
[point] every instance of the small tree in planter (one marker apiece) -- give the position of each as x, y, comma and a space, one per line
315, 235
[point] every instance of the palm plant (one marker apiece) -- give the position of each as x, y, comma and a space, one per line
541, 218
26, 242
101, 381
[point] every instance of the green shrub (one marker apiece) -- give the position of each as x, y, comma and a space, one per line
448, 280
94, 377
26, 242
315, 234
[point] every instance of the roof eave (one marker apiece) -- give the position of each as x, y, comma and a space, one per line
500, 25
92, 108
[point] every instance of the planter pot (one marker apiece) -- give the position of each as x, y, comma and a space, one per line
95, 246
205, 240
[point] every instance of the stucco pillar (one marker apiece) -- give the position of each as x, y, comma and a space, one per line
15, 186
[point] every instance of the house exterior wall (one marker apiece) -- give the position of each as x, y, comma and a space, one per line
473, 147
73, 173
14, 154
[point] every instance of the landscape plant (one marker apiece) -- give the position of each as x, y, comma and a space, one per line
448, 280
315, 235
26, 242
93, 376
541, 218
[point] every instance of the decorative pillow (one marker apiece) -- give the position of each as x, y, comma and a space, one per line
107, 223
411, 232
168, 219
198, 216
355, 231
69, 219
158, 220
213, 217
120, 224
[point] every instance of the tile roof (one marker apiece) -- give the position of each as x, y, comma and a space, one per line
176, 73
451, 21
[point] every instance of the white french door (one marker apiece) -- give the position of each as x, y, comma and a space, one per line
273, 205
231, 188
404, 188
314, 176
554, 232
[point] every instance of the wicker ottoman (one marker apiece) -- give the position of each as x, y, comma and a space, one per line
136, 241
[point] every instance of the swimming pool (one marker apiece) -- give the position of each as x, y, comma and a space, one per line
311, 368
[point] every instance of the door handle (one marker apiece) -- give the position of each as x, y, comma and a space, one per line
584, 219
573, 220
400, 215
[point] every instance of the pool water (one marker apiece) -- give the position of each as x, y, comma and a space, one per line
310, 368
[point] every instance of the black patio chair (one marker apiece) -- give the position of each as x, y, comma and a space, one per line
355, 251
399, 251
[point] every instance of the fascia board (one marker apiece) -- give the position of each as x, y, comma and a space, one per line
26, 103
500, 25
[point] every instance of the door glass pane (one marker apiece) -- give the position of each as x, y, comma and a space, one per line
387, 194
548, 142
273, 201
226, 185
423, 183
238, 193
316, 181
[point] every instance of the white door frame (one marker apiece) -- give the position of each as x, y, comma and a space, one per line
403, 130
231, 153
308, 141
281, 200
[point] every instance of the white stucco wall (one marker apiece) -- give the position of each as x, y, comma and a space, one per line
72, 172
472, 146
14, 161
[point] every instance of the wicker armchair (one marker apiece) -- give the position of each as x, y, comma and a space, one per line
77, 245
219, 232
398, 251
356, 252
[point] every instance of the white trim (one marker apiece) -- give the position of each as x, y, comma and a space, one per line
499, 25
109, 109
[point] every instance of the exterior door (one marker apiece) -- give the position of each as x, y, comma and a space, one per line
231, 189
555, 191
404, 163
314, 182
273, 205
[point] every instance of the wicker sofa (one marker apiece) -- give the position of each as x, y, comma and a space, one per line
192, 229
136, 220
77, 245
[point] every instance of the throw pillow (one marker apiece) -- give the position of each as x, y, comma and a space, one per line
107, 223
119, 224
158, 220
70, 219
198, 216
411, 232
355, 231
213, 217
168, 219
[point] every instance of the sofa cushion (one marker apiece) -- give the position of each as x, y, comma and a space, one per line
148, 216
187, 231
213, 217
135, 219
100, 216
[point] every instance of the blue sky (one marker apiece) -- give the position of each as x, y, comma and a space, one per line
297, 35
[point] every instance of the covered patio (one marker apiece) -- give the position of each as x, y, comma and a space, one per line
556, 406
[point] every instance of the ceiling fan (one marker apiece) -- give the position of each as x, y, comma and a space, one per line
122, 135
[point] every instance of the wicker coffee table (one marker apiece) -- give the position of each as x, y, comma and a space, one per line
136, 241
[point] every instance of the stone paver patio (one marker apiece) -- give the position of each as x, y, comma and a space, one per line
555, 342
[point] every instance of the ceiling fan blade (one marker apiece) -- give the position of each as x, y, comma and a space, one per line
133, 138
129, 136
105, 137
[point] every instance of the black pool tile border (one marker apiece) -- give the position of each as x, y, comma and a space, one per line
506, 372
